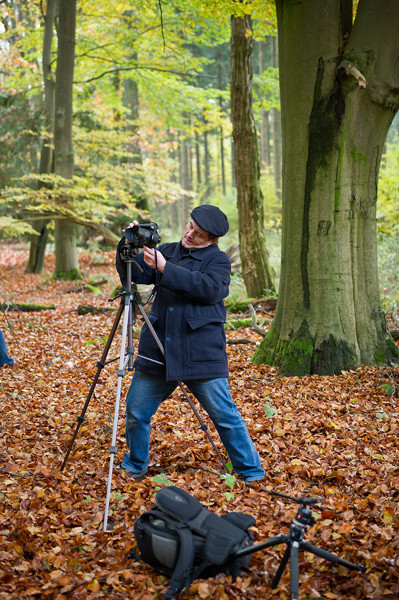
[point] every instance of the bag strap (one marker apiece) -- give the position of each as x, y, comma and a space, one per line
181, 576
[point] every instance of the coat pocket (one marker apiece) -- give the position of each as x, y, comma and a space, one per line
206, 340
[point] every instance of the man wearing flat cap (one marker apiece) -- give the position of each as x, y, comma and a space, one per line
188, 315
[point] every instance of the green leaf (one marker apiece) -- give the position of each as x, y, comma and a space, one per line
229, 479
162, 480
382, 415
269, 410
388, 388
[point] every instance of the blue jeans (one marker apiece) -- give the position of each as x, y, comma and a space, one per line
4, 358
146, 394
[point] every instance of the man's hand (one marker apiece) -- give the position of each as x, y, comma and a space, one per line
149, 259
130, 225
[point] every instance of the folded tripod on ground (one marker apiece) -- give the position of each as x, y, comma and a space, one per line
184, 540
129, 302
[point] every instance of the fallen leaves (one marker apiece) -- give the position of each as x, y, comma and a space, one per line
331, 437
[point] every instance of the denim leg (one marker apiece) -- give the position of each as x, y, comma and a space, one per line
145, 394
4, 358
214, 395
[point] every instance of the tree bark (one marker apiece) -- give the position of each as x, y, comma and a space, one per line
256, 272
38, 242
185, 180
276, 129
207, 168
329, 316
130, 98
264, 116
66, 257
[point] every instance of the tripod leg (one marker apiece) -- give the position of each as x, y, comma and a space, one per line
281, 567
331, 557
100, 365
294, 570
121, 372
203, 427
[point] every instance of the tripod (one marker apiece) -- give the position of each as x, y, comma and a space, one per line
129, 300
295, 544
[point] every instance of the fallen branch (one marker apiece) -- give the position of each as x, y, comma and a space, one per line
254, 324
243, 305
87, 287
24, 307
85, 309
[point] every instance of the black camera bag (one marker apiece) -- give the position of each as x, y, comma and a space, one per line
182, 539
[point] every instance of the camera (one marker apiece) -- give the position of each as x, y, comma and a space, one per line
138, 236
143, 234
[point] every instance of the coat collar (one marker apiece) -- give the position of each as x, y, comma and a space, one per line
196, 253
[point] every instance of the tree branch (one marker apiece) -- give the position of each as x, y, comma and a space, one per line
108, 235
255, 325
117, 69
351, 71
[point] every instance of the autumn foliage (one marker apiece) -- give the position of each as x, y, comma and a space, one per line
333, 437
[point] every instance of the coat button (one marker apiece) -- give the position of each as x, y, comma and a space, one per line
171, 309
167, 339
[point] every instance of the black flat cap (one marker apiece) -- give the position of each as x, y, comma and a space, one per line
211, 219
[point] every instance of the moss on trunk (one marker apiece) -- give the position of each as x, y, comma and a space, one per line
71, 275
299, 356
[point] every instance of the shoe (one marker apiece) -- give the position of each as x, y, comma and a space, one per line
132, 474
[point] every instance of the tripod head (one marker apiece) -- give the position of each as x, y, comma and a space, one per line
302, 520
128, 254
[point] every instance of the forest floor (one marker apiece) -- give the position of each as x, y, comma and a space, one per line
330, 437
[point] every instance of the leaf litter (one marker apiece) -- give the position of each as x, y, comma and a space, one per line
331, 437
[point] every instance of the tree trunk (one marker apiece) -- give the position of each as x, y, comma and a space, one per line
130, 98
264, 116
38, 242
207, 168
328, 316
221, 141
66, 257
256, 272
276, 130
185, 180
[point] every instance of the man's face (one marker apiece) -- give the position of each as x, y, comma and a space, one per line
195, 237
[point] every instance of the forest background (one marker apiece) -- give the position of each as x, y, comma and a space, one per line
152, 136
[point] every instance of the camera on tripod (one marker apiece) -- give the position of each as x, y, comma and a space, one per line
138, 236
143, 234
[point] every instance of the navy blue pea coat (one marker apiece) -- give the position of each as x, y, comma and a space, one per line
188, 312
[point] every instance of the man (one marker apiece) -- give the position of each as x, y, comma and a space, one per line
188, 316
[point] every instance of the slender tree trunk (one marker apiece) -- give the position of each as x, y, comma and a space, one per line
276, 129
66, 261
222, 159
185, 180
131, 101
207, 169
256, 272
38, 242
264, 116
198, 160
329, 316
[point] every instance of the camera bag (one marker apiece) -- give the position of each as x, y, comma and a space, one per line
183, 540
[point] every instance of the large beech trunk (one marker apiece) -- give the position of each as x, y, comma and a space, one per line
339, 94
